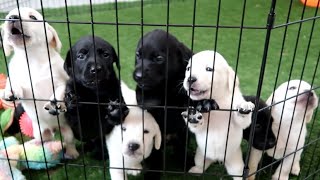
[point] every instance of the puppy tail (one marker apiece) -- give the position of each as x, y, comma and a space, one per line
128, 94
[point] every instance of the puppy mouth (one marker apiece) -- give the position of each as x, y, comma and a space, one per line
134, 154
197, 92
92, 82
15, 31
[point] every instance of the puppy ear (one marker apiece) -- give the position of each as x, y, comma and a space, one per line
115, 58
67, 63
186, 53
5, 44
232, 79
157, 137
55, 41
184, 114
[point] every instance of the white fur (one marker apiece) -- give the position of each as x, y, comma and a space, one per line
38, 61
128, 94
290, 115
136, 122
222, 89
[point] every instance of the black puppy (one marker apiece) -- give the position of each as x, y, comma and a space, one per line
92, 84
158, 85
263, 127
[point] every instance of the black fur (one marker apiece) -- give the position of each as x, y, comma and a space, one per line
152, 53
92, 80
262, 128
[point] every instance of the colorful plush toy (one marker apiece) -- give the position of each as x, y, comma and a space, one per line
30, 155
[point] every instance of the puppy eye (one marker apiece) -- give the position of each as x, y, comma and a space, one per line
123, 128
188, 68
209, 69
145, 131
106, 55
292, 88
33, 17
258, 126
138, 54
80, 56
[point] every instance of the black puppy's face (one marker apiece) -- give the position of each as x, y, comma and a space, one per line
152, 53
91, 61
261, 131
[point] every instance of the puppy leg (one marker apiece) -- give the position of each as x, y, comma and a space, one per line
201, 163
41, 133
243, 116
12, 93
296, 164
234, 164
67, 134
117, 174
254, 160
283, 170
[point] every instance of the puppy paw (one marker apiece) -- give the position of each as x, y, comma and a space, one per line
295, 169
136, 171
11, 96
194, 116
71, 153
246, 107
196, 170
55, 108
116, 113
207, 105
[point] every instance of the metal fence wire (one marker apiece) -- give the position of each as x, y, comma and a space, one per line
266, 44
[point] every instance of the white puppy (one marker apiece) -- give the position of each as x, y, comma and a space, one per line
198, 82
30, 66
128, 144
293, 106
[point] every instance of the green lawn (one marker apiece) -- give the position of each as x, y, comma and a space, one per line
250, 56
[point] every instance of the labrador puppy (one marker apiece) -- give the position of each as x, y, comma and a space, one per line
223, 137
158, 86
293, 104
36, 74
92, 84
128, 144
263, 137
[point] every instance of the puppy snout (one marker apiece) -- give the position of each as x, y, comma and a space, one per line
95, 69
133, 146
192, 79
138, 75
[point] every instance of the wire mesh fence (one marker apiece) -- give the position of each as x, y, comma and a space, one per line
265, 43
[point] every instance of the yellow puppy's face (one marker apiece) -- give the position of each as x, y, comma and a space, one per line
140, 134
298, 99
208, 71
30, 30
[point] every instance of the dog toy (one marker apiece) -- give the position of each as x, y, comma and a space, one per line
311, 3
26, 125
9, 170
32, 155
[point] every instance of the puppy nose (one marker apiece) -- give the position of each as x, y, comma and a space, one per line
192, 79
14, 17
311, 94
95, 69
133, 146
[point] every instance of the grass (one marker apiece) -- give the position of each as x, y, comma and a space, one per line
249, 60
